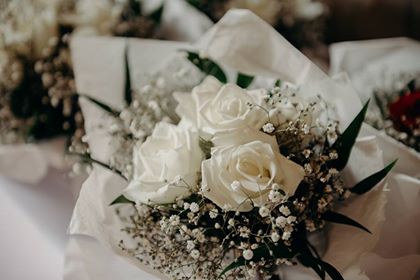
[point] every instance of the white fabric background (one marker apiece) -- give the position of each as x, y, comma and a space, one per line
33, 223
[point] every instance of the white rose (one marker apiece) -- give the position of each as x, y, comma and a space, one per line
251, 158
213, 107
165, 165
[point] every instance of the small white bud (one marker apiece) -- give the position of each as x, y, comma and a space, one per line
264, 211
235, 185
268, 128
248, 254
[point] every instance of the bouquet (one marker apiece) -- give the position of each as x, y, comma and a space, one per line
38, 98
399, 114
218, 187
390, 80
218, 181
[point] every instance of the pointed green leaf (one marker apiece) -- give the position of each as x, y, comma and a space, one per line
101, 105
134, 7
338, 218
195, 3
127, 86
86, 158
207, 66
205, 146
244, 80
368, 183
156, 15
278, 83
121, 200
332, 271
310, 261
345, 141
412, 85
307, 258
278, 251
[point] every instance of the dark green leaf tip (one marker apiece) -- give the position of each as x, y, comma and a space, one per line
338, 218
345, 141
127, 86
370, 182
103, 106
156, 15
121, 200
244, 80
207, 66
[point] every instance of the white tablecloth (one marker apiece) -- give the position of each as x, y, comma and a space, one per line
34, 220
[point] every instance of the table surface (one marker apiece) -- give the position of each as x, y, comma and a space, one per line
34, 220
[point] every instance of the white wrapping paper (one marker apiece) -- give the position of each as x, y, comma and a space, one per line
244, 42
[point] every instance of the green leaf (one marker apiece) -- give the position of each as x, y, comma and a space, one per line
127, 87
86, 158
121, 200
368, 183
278, 83
314, 261
101, 105
244, 80
278, 251
195, 3
205, 146
345, 141
207, 66
156, 15
412, 85
338, 218
306, 259
332, 271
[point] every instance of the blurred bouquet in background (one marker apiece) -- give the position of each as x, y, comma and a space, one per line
398, 112
301, 22
386, 71
38, 98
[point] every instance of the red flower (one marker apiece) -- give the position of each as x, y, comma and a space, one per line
405, 112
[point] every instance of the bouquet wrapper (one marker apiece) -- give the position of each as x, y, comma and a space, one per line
183, 22
243, 42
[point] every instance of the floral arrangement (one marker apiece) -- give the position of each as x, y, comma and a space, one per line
398, 113
38, 98
300, 21
231, 183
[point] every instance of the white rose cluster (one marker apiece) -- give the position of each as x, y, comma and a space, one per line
245, 168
